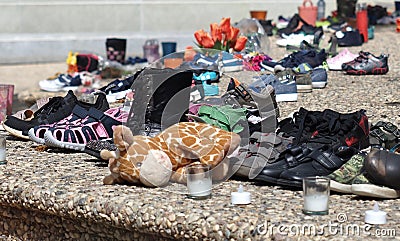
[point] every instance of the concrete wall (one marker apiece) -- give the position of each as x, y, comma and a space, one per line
44, 31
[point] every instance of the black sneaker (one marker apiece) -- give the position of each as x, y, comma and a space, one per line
349, 38
312, 57
55, 110
117, 89
319, 147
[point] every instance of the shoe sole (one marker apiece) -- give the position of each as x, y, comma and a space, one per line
232, 68
319, 85
62, 89
286, 97
376, 71
51, 141
289, 183
266, 179
15, 132
339, 187
33, 137
371, 190
304, 88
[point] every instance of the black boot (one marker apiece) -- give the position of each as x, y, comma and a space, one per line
161, 99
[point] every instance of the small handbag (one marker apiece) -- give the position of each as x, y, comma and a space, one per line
308, 13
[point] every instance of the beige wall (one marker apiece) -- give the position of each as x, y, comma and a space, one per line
40, 31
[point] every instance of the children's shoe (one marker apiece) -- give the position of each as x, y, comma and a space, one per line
78, 115
63, 82
294, 40
98, 126
118, 89
284, 85
368, 64
344, 56
94, 148
231, 63
55, 110
319, 78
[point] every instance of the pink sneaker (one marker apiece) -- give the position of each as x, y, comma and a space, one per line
344, 56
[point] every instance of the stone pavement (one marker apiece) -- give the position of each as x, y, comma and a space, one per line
51, 194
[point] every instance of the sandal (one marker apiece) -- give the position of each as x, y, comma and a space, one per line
384, 134
263, 148
78, 115
98, 126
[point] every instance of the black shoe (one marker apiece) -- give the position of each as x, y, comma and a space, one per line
319, 162
267, 25
349, 38
161, 96
55, 110
94, 147
323, 141
292, 25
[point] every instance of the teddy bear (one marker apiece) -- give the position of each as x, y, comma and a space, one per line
156, 161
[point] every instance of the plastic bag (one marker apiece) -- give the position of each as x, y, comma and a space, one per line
257, 39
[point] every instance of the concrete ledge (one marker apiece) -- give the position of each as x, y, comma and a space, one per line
39, 48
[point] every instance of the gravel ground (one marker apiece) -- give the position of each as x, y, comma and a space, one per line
50, 194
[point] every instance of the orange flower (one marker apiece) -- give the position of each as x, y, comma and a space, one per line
240, 43
204, 39
216, 32
225, 25
232, 34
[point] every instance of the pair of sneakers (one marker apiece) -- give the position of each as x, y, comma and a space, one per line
67, 122
219, 62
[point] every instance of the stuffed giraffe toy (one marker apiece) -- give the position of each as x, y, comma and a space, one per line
156, 161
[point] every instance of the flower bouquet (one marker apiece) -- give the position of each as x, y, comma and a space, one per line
223, 37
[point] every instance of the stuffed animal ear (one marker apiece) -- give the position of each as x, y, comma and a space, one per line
106, 154
156, 169
123, 137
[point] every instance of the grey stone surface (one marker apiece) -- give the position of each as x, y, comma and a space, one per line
53, 194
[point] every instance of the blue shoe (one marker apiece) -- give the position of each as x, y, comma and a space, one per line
285, 87
319, 78
63, 82
206, 76
230, 63
200, 61
210, 89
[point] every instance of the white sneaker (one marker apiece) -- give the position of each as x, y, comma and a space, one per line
294, 40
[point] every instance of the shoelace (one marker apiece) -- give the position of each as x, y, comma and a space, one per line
50, 107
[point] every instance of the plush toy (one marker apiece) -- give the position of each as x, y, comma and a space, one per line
155, 161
